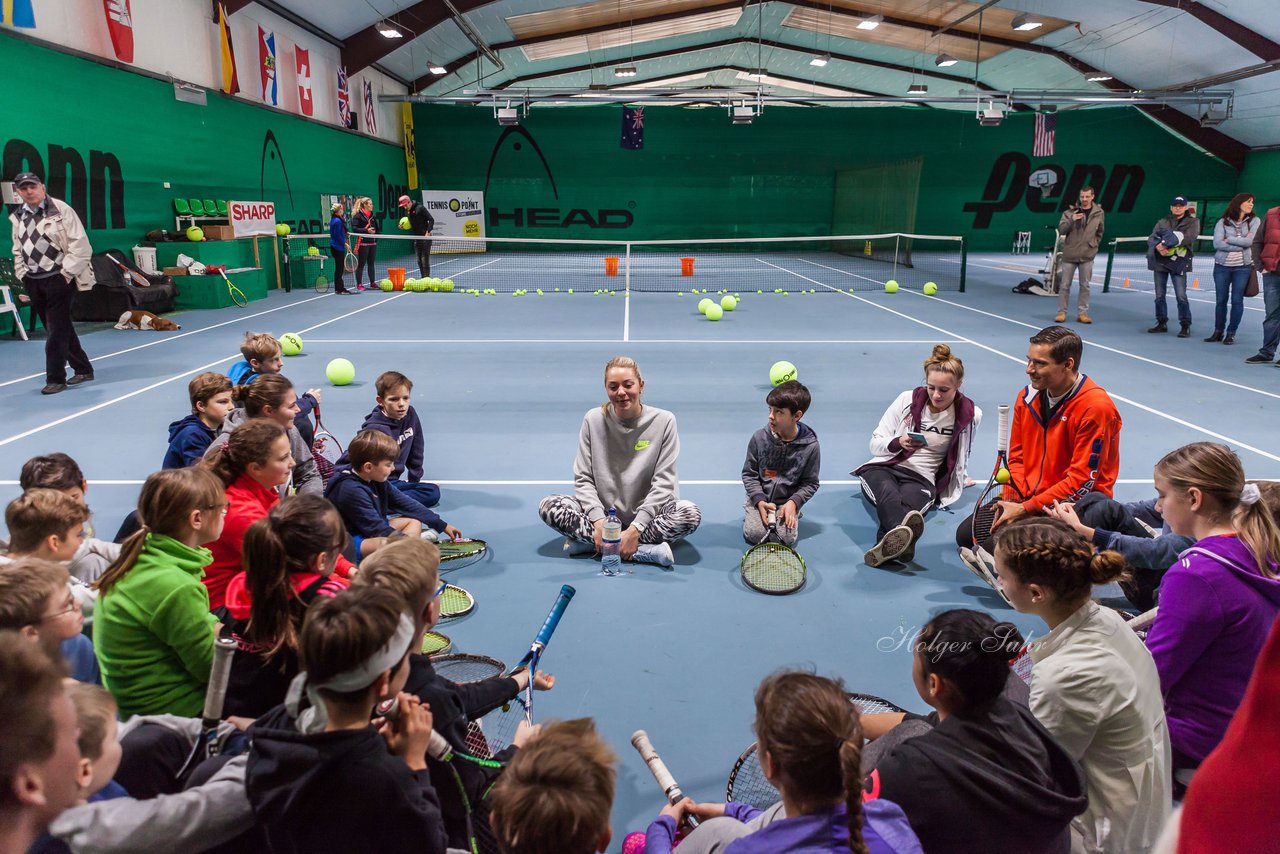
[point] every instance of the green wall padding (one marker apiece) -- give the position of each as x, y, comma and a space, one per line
1261, 176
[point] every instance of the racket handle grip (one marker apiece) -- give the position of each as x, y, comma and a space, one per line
773, 517
216, 694
553, 619
438, 748
658, 768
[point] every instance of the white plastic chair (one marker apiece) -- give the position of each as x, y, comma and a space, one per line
8, 306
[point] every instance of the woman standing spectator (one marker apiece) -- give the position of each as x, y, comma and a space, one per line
904, 478
1232, 260
626, 462
362, 225
338, 246
51, 255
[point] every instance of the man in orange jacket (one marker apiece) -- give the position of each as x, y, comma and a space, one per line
1065, 438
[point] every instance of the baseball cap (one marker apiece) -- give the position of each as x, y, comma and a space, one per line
405, 200
25, 178
1179, 200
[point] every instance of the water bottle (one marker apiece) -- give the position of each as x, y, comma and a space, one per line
611, 544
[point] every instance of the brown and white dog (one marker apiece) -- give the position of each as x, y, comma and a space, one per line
138, 319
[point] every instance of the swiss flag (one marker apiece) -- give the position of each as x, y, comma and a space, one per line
303, 58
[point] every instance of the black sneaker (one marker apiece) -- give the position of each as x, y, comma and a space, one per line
80, 378
1161, 326
53, 388
1257, 359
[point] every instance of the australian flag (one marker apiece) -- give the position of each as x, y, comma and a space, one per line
633, 128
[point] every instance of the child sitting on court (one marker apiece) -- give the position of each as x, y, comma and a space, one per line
58, 471
781, 470
320, 776
274, 398
398, 419
100, 749
366, 502
262, 355
557, 793
191, 436
36, 602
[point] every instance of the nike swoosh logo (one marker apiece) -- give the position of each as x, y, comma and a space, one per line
642, 444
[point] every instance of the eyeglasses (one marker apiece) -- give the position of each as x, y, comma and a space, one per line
74, 606
439, 590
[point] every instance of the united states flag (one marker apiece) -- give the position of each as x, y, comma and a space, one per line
370, 109
1044, 135
344, 98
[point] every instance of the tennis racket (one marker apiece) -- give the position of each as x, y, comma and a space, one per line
658, 768
325, 448
534, 655
455, 554
237, 295
772, 567
435, 643
350, 261
462, 668
1142, 623
215, 696
322, 284
455, 603
132, 276
986, 512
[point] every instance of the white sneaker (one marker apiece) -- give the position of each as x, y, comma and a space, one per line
915, 521
891, 546
983, 565
658, 554
573, 547
430, 535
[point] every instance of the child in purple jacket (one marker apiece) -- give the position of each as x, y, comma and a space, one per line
1218, 601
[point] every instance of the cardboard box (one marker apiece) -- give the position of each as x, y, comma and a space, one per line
218, 232
176, 271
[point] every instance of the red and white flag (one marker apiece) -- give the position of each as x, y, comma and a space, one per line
120, 25
370, 109
303, 59
267, 62
1044, 136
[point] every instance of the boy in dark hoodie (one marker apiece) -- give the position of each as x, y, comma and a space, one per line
320, 775
263, 355
360, 492
190, 437
394, 416
781, 470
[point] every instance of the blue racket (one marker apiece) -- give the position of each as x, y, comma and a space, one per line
534, 655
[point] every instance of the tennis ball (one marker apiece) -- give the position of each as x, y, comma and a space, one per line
313, 251
891, 287
539, 291
704, 304
282, 228
781, 372
404, 223
930, 289
448, 286
570, 290
728, 303
195, 234
1002, 476
340, 371
290, 344
714, 312
385, 285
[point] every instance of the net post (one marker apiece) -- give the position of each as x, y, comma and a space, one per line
626, 279
1111, 257
964, 262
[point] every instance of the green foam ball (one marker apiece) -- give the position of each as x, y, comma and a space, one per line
704, 304
891, 287
930, 289
290, 344
340, 372
714, 312
728, 303
781, 372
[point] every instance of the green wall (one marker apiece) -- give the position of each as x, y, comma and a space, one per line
1261, 176
107, 140
699, 175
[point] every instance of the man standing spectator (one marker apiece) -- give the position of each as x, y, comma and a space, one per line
421, 222
51, 255
1081, 228
1170, 250
1266, 260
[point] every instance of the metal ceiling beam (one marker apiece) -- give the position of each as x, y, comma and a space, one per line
362, 49
1248, 39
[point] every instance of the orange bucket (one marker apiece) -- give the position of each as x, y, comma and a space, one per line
686, 266
396, 275
611, 266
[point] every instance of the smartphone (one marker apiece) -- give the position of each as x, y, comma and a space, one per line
918, 438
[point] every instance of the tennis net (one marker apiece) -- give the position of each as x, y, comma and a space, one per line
1127, 260
783, 264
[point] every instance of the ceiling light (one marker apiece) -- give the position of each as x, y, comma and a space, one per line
945, 60
743, 115
870, 23
1099, 78
820, 61
508, 116
991, 115
388, 30
917, 89
1026, 23
438, 70
624, 71
758, 73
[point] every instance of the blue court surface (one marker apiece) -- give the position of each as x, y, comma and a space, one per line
502, 384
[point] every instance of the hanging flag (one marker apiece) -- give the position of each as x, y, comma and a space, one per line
303, 59
370, 109
410, 145
17, 13
230, 82
120, 25
633, 128
345, 116
1043, 138
267, 66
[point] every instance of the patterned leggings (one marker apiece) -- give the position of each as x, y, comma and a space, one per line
676, 520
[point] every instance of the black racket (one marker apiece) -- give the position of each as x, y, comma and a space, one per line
986, 511
772, 567
325, 448
658, 768
215, 697
461, 667
455, 603
455, 554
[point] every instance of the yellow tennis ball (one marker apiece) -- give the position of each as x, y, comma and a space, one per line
714, 312
781, 372
891, 287
728, 303
340, 372
1002, 476
930, 289
704, 304
290, 344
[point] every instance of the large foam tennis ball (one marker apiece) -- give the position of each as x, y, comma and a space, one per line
891, 287
782, 372
195, 234
704, 304
1002, 476
313, 250
291, 344
340, 371
728, 303
282, 228
404, 223
930, 289
385, 285
714, 312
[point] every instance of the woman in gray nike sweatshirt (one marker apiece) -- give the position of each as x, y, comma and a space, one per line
626, 460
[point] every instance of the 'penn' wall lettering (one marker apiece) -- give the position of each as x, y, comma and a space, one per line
96, 193
1007, 187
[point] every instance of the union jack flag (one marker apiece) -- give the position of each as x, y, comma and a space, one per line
344, 100
370, 109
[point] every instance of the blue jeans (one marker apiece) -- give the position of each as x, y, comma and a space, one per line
1179, 294
1229, 282
1270, 323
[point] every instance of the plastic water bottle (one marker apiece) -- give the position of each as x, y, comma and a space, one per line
611, 542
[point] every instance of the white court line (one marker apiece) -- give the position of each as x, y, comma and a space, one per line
155, 385
632, 341
170, 338
1115, 350
1022, 361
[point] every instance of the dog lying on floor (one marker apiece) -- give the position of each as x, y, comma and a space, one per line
138, 319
